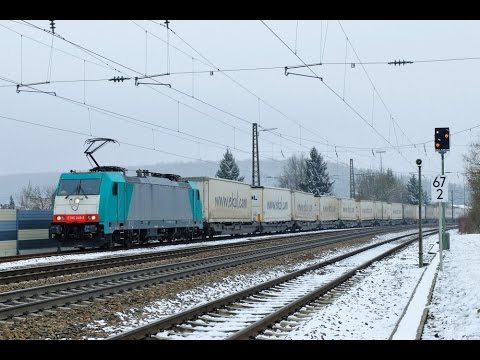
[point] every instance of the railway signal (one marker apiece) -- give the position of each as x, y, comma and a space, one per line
442, 139
442, 145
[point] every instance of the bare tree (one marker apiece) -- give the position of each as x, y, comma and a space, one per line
381, 187
472, 162
294, 172
36, 197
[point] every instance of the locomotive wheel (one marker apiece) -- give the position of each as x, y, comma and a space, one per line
127, 242
109, 244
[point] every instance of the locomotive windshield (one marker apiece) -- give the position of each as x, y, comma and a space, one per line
79, 187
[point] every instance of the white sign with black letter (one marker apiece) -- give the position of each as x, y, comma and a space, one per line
440, 189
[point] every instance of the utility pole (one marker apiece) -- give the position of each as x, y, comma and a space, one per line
420, 242
352, 181
255, 159
380, 152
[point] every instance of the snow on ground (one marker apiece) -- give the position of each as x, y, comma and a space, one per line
371, 308
374, 306
229, 285
455, 306
410, 326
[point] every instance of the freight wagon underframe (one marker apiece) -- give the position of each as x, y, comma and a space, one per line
229, 228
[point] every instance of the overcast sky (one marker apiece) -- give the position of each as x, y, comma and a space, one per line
344, 116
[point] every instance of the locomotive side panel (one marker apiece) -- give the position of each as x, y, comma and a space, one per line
161, 202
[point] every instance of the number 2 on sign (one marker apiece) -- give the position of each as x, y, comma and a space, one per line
440, 197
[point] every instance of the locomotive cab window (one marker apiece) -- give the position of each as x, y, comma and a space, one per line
115, 188
198, 194
69, 187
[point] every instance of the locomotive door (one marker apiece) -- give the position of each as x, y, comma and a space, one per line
121, 212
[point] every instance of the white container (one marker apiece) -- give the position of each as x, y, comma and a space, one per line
397, 211
348, 209
448, 213
328, 208
377, 210
305, 206
410, 212
424, 212
387, 210
433, 212
367, 210
458, 212
224, 200
271, 204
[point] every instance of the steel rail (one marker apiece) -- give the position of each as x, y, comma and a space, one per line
154, 327
24, 301
59, 269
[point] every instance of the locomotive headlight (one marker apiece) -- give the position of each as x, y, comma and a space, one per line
59, 218
77, 200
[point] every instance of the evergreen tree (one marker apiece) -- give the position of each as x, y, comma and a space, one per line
412, 192
317, 180
12, 203
229, 168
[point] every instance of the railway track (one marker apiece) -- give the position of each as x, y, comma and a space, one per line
31, 300
247, 313
60, 269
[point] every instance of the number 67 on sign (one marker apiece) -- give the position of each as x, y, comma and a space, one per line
440, 189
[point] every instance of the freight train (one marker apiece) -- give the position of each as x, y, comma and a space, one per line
105, 206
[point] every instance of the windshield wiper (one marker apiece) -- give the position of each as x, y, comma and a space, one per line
75, 191
81, 189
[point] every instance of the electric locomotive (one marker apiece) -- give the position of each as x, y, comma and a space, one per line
104, 207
